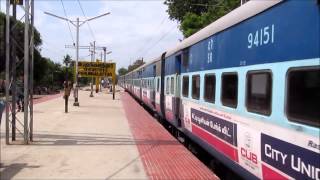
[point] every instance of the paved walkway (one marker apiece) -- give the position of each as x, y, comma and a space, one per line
101, 139
92, 141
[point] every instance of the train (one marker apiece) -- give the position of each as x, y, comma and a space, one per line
246, 88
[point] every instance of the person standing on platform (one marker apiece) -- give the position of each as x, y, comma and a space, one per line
2, 106
67, 90
20, 94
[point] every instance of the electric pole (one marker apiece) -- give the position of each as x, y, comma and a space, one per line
77, 24
11, 78
93, 52
92, 48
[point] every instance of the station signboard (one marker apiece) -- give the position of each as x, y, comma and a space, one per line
17, 2
96, 69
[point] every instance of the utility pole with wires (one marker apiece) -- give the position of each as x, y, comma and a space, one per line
105, 54
77, 24
11, 79
104, 60
93, 53
92, 48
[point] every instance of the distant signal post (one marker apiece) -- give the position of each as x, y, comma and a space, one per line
98, 70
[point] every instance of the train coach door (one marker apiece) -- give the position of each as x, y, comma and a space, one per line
153, 89
140, 83
162, 108
177, 83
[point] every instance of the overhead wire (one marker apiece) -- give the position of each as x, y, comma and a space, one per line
162, 37
51, 50
57, 54
218, 3
145, 52
82, 57
84, 14
52, 46
150, 39
65, 13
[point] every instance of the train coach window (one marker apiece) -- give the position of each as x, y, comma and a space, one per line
172, 85
259, 92
167, 86
303, 95
209, 88
196, 87
185, 86
229, 90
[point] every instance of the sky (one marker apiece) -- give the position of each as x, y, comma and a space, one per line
134, 29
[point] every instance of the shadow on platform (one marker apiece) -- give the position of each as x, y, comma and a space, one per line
141, 154
9, 171
91, 139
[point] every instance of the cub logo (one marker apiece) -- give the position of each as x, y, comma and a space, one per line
246, 152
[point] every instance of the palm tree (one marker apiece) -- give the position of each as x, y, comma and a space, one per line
67, 61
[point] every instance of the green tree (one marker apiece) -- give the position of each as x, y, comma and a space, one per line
67, 59
194, 15
66, 70
19, 38
136, 64
191, 24
177, 9
122, 71
46, 72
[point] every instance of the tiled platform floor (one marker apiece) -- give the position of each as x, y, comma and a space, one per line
162, 155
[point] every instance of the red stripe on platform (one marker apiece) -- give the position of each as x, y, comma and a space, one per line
46, 98
162, 155
268, 173
218, 144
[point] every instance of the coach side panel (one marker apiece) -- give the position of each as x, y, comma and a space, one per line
237, 92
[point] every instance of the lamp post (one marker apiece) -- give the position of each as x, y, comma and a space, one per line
105, 59
66, 88
93, 53
77, 24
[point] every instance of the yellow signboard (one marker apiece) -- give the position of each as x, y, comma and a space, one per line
96, 69
17, 2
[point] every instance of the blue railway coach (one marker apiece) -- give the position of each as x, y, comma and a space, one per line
148, 72
247, 89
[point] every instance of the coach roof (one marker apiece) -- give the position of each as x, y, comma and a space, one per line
147, 64
236, 16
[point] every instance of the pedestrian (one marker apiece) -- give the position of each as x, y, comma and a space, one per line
2, 106
67, 89
103, 83
2, 87
20, 94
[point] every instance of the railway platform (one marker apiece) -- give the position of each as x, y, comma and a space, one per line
101, 139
